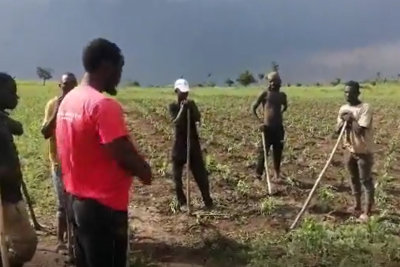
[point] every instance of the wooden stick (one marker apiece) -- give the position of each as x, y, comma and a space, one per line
128, 248
188, 162
3, 248
319, 179
266, 163
69, 240
30, 207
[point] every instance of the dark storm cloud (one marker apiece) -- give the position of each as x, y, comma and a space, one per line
164, 39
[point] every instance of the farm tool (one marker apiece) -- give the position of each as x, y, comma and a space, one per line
266, 163
303, 209
188, 162
3, 248
36, 224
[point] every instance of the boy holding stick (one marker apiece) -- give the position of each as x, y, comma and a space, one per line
274, 103
178, 111
358, 141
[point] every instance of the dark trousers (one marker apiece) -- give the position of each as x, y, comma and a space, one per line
198, 170
100, 234
360, 169
274, 137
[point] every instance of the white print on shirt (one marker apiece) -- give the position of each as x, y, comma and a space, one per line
69, 116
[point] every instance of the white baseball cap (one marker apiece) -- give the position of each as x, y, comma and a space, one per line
182, 85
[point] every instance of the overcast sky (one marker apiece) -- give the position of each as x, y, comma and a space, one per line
312, 40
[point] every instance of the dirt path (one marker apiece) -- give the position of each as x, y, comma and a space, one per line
46, 255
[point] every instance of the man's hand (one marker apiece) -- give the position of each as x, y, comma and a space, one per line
129, 159
184, 103
145, 181
348, 117
15, 127
262, 127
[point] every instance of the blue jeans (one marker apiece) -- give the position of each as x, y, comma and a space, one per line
60, 191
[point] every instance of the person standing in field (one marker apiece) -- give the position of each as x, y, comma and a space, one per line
178, 111
358, 141
20, 235
274, 103
67, 83
98, 159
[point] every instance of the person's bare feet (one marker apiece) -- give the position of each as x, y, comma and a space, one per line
355, 210
364, 218
276, 179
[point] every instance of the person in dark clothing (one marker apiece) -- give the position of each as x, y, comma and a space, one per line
20, 235
178, 111
274, 103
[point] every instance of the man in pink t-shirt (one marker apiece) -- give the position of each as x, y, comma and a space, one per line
98, 159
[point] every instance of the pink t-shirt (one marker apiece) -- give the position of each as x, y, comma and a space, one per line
85, 121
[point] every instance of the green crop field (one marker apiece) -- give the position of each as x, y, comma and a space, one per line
247, 227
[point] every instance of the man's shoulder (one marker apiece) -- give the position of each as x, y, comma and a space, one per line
344, 107
52, 101
365, 106
264, 93
173, 105
106, 103
88, 97
191, 102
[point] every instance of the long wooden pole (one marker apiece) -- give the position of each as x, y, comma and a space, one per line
188, 162
30, 207
128, 246
303, 209
266, 163
3, 248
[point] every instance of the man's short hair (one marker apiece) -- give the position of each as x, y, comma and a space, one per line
98, 51
273, 76
68, 75
354, 85
5, 78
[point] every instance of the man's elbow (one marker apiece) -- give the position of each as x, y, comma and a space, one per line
254, 110
19, 131
146, 175
45, 132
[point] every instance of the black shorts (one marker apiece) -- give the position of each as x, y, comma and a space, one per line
274, 136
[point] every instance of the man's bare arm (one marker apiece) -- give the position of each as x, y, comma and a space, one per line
257, 103
195, 112
129, 159
15, 127
48, 129
284, 102
339, 127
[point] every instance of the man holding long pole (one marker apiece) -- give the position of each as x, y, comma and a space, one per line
21, 236
358, 141
179, 114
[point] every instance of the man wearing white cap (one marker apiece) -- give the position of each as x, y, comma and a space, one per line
178, 112
67, 83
